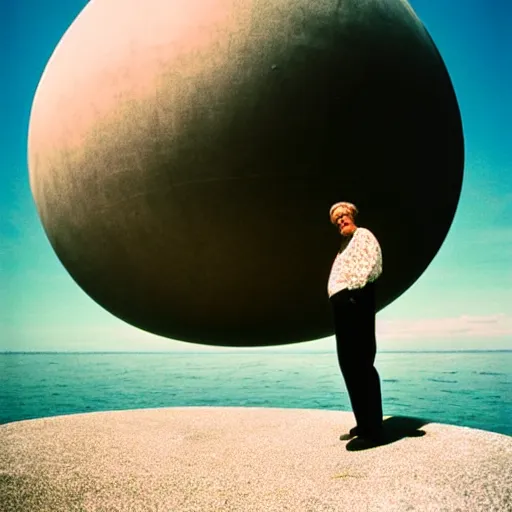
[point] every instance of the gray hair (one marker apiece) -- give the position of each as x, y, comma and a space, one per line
349, 207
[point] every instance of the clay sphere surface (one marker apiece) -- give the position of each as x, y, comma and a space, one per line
183, 158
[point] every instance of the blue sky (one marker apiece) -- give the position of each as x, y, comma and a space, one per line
462, 301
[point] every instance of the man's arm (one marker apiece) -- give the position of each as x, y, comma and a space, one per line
365, 255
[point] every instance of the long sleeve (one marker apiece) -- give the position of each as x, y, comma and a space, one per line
358, 264
364, 259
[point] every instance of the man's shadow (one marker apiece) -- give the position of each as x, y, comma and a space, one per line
394, 429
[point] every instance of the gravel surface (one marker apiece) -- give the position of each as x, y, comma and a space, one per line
206, 459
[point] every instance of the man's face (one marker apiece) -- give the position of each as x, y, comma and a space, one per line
344, 221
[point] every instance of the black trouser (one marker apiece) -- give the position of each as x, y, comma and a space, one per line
354, 323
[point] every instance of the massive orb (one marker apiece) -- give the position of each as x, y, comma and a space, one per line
184, 155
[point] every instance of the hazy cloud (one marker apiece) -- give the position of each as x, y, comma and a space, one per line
464, 325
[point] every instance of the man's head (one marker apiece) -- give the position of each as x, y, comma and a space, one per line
343, 216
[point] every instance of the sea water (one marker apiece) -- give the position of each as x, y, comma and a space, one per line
470, 389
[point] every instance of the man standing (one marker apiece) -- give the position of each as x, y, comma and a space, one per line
351, 290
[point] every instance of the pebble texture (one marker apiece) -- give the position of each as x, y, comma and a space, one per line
206, 459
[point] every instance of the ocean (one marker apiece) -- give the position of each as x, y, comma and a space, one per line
471, 389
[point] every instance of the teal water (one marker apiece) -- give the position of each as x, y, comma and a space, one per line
470, 389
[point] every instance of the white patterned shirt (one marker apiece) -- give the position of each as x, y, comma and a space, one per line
356, 265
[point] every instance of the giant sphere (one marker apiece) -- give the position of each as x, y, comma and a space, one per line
183, 157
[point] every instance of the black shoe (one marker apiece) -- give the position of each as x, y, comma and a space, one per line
361, 443
353, 432
374, 436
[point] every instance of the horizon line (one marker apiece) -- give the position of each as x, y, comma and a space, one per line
237, 350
